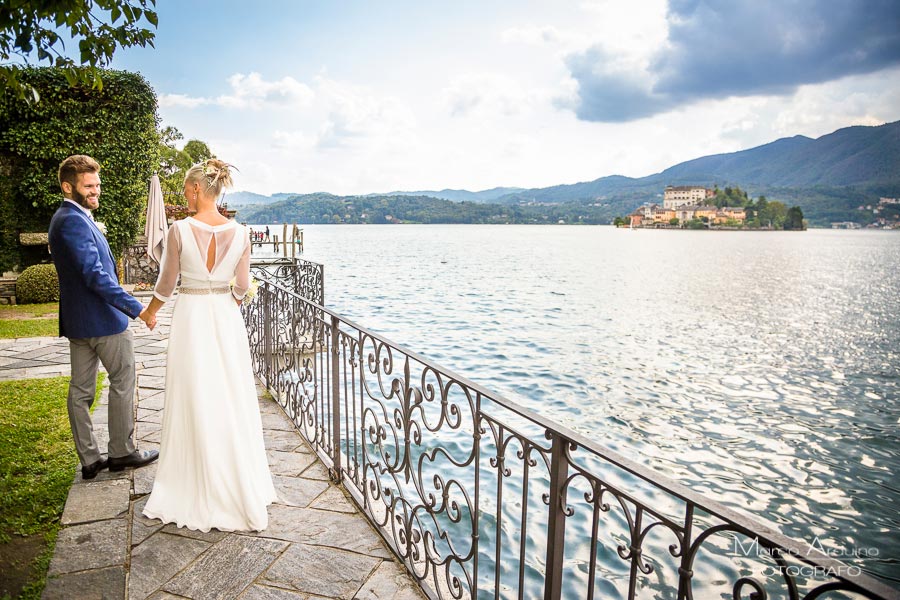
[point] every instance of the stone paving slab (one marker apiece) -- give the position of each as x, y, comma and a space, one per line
95, 501
324, 571
154, 402
27, 363
277, 422
285, 441
143, 477
296, 491
148, 415
31, 358
38, 352
317, 545
389, 581
316, 471
334, 499
89, 546
152, 382
324, 528
289, 463
263, 592
100, 584
227, 569
157, 560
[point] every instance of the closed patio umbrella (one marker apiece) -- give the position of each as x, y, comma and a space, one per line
156, 227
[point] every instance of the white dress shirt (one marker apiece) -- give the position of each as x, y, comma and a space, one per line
83, 209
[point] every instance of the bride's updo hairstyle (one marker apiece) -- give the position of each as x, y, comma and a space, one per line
212, 174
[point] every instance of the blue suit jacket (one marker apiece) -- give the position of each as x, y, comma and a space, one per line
91, 301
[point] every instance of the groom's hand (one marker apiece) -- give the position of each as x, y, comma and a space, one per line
148, 318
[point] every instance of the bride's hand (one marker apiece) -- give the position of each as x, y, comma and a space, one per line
148, 318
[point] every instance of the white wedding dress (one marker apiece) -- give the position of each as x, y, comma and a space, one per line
213, 470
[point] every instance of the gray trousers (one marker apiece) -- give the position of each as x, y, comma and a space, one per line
116, 352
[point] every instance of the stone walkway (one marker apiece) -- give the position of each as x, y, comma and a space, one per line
317, 545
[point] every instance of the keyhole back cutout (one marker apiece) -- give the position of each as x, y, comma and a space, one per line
211, 254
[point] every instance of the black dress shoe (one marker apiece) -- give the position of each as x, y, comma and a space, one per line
90, 471
138, 458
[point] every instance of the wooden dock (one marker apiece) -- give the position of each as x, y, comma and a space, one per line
290, 241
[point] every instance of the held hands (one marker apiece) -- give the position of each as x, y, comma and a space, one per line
148, 318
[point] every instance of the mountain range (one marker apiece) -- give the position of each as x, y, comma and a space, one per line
828, 177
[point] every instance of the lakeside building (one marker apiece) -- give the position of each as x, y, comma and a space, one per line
675, 196
695, 211
649, 215
654, 215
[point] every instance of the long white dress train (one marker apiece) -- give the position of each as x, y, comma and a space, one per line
213, 470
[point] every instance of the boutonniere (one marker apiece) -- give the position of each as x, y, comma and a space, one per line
101, 226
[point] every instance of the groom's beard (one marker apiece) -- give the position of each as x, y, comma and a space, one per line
89, 202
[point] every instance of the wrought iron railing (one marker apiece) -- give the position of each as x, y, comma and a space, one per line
482, 498
305, 277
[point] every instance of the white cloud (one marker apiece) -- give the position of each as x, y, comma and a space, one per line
546, 35
252, 91
356, 111
170, 100
531, 34
813, 110
249, 91
293, 140
490, 95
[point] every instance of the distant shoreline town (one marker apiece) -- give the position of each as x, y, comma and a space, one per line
877, 210
699, 207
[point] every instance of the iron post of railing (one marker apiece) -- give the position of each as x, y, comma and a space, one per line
335, 398
267, 336
685, 572
556, 533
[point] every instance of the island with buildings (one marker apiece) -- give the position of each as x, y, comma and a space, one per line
699, 207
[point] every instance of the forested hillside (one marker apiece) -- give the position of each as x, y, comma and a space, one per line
830, 178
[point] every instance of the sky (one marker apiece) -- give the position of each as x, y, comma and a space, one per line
354, 97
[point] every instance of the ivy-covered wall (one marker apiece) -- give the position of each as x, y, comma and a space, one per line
116, 125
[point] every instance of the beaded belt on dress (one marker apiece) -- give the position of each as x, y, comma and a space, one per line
204, 291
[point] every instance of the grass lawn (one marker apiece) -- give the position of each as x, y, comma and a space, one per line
37, 466
29, 320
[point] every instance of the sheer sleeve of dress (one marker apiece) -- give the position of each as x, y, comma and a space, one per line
242, 270
171, 266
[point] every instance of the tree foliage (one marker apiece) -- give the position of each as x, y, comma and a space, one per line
40, 29
174, 163
794, 220
730, 196
116, 125
326, 208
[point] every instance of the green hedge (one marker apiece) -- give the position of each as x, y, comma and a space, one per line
116, 125
37, 284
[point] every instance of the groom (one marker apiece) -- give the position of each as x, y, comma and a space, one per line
94, 312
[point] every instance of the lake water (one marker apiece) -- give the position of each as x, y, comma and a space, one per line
761, 369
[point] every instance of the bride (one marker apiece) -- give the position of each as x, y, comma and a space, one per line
212, 470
